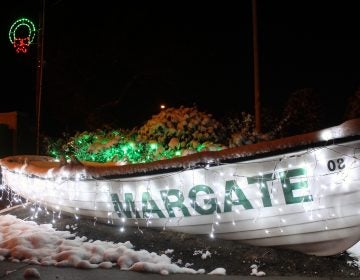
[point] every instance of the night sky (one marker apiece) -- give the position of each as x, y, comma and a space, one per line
119, 60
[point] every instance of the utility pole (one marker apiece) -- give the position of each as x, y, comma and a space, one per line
39, 72
256, 69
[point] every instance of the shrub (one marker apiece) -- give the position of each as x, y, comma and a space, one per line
183, 129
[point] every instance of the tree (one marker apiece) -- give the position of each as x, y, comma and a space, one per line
302, 113
353, 106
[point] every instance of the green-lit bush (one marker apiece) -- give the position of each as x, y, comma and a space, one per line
173, 132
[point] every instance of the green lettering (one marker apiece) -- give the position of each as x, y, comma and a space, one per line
130, 205
148, 201
179, 203
263, 187
117, 204
230, 188
212, 203
288, 187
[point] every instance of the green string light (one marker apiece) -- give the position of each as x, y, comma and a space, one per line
118, 146
22, 22
22, 40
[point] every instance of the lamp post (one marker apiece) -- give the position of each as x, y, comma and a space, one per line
256, 69
39, 73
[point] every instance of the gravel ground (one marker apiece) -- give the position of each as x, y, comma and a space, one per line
236, 258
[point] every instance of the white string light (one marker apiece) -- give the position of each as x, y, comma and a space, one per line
315, 175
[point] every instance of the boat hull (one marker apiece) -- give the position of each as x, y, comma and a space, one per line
308, 200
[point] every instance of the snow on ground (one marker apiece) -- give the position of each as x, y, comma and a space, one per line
27, 241
30, 242
218, 271
255, 272
354, 252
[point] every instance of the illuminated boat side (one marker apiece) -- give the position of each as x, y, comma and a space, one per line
299, 192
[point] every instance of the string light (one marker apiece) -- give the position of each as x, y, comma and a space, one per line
228, 200
21, 34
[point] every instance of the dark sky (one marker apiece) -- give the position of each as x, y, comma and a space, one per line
120, 60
